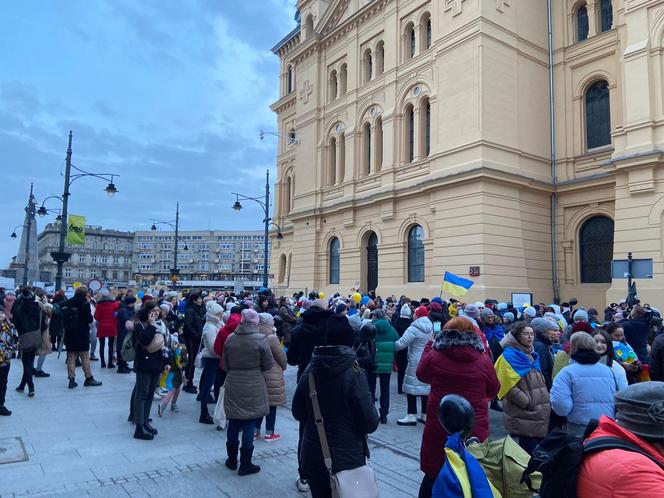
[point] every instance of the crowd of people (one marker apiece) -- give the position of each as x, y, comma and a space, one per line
543, 366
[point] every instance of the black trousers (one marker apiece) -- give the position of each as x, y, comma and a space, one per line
192, 344
142, 395
412, 404
4, 373
426, 488
28, 361
118, 347
384, 379
402, 362
102, 347
320, 488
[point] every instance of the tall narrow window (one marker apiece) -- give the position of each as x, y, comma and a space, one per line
416, 254
335, 263
289, 195
582, 23
332, 167
309, 26
333, 86
366, 161
368, 65
425, 29
282, 268
410, 134
343, 80
379, 144
409, 40
342, 157
596, 250
412, 43
290, 80
380, 58
598, 115
425, 116
606, 15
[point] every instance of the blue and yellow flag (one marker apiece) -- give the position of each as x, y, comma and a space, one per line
462, 476
455, 285
511, 366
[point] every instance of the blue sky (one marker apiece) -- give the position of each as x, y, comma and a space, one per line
169, 94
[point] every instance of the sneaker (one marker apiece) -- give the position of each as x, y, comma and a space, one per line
174, 408
302, 485
20, 389
272, 437
92, 358
4, 412
162, 391
41, 373
407, 420
422, 419
31, 394
257, 436
156, 396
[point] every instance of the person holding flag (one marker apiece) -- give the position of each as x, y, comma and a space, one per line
526, 403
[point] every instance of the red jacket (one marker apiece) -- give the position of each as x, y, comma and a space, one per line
620, 473
107, 319
228, 328
461, 369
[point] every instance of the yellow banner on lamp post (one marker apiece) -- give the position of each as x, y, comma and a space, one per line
76, 230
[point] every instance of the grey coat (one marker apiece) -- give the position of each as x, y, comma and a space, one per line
246, 357
274, 378
415, 338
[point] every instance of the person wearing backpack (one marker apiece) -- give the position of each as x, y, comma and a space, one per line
638, 469
77, 317
526, 406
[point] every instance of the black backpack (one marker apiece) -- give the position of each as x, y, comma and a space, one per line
559, 456
69, 316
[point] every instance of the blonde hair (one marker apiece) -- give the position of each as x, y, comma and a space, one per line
582, 340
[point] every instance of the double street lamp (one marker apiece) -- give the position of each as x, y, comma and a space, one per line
176, 225
265, 204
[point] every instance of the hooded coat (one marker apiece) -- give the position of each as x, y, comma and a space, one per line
542, 346
78, 338
385, 339
28, 316
274, 378
456, 364
209, 336
306, 335
415, 339
346, 406
247, 357
620, 473
106, 314
229, 327
193, 322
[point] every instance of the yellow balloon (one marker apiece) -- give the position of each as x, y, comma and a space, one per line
357, 297
321, 295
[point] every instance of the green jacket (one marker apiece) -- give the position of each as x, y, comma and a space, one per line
385, 339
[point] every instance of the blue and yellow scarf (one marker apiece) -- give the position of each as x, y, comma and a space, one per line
511, 366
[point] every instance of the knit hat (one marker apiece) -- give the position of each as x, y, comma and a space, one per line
530, 311
341, 307
582, 327
165, 307
592, 312
486, 312
355, 322
377, 314
435, 307
214, 308
338, 332
249, 316
319, 303
640, 409
581, 315
438, 300
421, 311
509, 315
541, 325
146, 298
502, 306
472, 311
266, 319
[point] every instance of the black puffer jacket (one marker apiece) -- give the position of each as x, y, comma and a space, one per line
78, 337
306, 335
146, 362
28, 315
401, 324
542, 347
346, 407
193, 323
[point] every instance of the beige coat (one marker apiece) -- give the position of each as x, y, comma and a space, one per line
246, 357
526, 407
274, 378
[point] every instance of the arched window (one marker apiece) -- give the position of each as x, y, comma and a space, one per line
289, 195
596, 250
416, 254
606, 15
343, 80
426, 31
425, 116
582, 22
379, 144
380, 58
366, 159
409, 36
309, 26
342, 157
409, 133
333, 85
368, 65
332, 166
598, 115
282, 268
335, 263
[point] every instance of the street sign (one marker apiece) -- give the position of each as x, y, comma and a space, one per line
641, 268
95, 285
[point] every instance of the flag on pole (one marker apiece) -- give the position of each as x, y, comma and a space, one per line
455, 285
76, 230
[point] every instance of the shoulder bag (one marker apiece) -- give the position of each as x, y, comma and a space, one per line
33, 339
354, 483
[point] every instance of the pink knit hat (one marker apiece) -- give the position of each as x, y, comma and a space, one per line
249, 316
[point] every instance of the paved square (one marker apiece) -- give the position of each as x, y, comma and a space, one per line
12, 450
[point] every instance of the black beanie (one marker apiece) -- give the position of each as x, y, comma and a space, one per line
338, 332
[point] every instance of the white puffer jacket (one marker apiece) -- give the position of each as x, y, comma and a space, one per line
415, 338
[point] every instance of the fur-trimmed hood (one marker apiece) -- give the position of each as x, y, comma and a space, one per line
449, 339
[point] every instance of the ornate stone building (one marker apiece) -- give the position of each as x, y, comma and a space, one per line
416, 139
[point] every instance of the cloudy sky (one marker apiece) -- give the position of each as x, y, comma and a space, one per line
168, 94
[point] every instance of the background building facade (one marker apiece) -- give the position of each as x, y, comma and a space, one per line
106, 256
424, 145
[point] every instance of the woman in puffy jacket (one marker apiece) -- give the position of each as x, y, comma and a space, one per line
210, 375
414, 339
274, 378
106, 314
454, 363
585, 388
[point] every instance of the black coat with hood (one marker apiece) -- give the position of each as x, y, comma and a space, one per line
347, 408
542, 346
193, 323
78, 337
306, 335
28, 315
365, 347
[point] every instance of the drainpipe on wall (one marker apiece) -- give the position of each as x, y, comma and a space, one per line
552, 138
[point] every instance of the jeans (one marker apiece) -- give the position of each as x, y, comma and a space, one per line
71, 362
28, 361
4, 373
426, 488
384, 379
93, 340
402, 362
412, 404
208, 377
141, 397
247, 428
270, 421
118, 348
299, 450
192, 348
40, 362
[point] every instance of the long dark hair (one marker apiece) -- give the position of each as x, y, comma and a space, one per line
144, 311
609, 346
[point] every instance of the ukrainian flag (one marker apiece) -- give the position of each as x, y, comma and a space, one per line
455, 285
511, 366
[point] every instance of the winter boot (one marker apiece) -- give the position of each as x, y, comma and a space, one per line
231, 449
150, 429
141, 433
91, 382
72, 383
246, 467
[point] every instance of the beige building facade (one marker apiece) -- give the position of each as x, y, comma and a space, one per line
416, 139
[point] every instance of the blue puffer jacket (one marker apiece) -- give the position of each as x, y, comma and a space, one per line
582, 392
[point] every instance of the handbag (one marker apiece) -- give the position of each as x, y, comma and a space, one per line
354, 483
33, 339
198, 361
45, 347
219, 416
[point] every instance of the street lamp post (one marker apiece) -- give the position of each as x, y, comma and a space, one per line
176, 226
61, 257
237, 206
